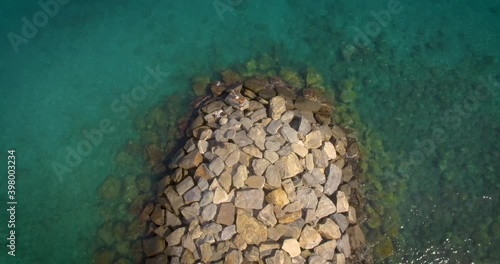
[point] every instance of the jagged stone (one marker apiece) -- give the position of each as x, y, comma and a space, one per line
273, 177
326, 250
320, 158
153, 246
325, 207
329, 229
175, 237
266, 216
289, 166
226, 214
249, 199
255, 182
271, 156
193, 195
313, 140
273, 127
251, 230
208, 212
309, 238
278, 197
342, 202
259, 166
258, 135
289, 134
184, 185
344, 246
299, 149
217, 166
252, 151
333, 178
233, 158
277, 107
220, 196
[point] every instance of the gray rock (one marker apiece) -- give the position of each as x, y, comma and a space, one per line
208, 212
347, 173
341, 221
289, 134
307, 197
246, 123
273, 127
277, 107
228, 232
333, 178
299, 149
252, 254
271, 156
314, 177
240, 176
329, 150
285, 150
320, 158
289, 166
184, 185
267, 94
287, 117
325, 207
259, 166
171, 219
309, 160
213, 106
252, 150
175, 237
342, 203
242, 139
258, 115
225, 180
193, 195
277, 258
191, 213
254, 105
217, 166
304, 126
343, 246
233, 158
190, 145
326, 250
230, 134
212, 229
316, 259
223, 150
273, 177
289, 188
258, 135
207, 198
272, 145
266, 216
249, 199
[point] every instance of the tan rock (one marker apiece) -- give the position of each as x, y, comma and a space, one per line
278, 197
342, 203
329, 229
309, 238
256, 182
313, 140
292, 247
251, 230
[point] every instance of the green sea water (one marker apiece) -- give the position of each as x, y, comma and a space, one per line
425, 75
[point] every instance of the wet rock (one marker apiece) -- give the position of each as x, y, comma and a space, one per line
110, 189
305, 105
309, 238
251, 230
356, 236
347, 173
249, 199
226, 214
267, 94
256, 84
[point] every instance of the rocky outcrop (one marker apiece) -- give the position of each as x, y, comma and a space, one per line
259, 180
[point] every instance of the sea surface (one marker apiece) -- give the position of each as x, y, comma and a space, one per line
426, 75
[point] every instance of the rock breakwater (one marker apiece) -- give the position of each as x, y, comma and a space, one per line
265, 176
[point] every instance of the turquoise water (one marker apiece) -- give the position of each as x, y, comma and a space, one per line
416, 79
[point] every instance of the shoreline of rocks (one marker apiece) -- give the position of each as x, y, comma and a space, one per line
265, 176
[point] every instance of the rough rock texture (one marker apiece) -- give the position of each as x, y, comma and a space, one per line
263, 179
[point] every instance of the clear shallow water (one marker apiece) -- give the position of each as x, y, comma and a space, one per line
424, 62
